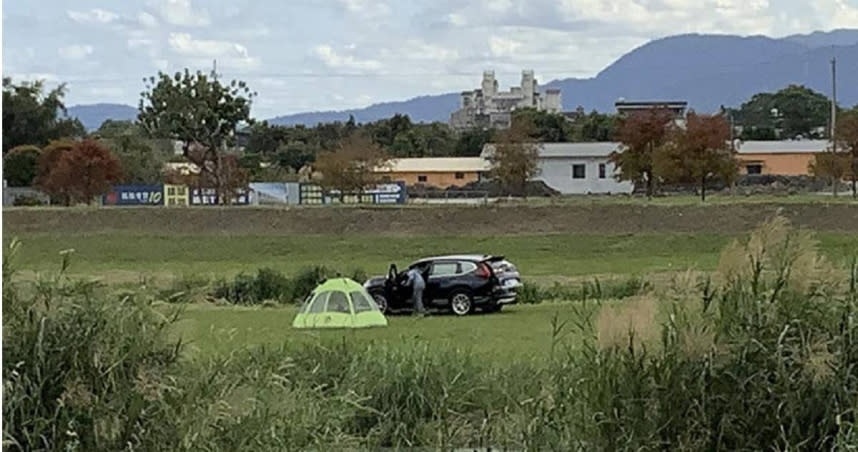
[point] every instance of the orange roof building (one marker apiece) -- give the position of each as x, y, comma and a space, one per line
781, 158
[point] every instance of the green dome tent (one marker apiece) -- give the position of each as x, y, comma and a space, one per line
339, 303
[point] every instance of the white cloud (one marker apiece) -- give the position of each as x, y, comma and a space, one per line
503, 47
75, 52
93, 16
185, 44
457, 20
181, 13
332, 59
147, 20
367, 8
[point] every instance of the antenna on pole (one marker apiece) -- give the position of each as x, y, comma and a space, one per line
834, 104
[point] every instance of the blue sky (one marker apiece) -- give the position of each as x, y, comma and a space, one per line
303, 55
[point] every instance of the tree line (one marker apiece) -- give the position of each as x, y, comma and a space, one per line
211, 121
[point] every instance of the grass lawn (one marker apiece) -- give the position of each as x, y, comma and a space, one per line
518, 332
125, 258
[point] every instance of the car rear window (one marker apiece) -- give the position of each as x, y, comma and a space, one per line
467, 267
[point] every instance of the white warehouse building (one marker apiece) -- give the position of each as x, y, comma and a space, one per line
577, 168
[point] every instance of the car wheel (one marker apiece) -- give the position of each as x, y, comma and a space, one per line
461, 303
381, 302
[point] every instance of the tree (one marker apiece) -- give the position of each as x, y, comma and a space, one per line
515, 157
788, 113
20, 165
202, 113
697, 153
847, 141
831, 166
352, 165
547, 127
264, 138
48, 160
141, 162
640, 135
470, 142
32, 117
84, 172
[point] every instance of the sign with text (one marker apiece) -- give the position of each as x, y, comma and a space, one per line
208, 197
134, 195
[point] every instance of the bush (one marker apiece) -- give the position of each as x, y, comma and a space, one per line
27, 201
587, 290
267, 284
270, 284
185, 289
81, 371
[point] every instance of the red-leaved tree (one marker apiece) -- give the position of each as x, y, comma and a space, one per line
81, 173
641, 134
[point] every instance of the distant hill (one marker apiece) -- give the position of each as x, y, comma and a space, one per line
706, 70
94, 114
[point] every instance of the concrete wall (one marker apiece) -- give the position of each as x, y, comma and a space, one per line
435, 179
782, 164
557, 173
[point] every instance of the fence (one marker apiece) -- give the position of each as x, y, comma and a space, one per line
254, 194
450, 197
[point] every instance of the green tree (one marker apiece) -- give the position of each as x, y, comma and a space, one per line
515, 157
203, 114
788, 113
113, 128
470, 142
698, 153
141, 161
31, 117
20, 165
265, 138
641, 134
547, 127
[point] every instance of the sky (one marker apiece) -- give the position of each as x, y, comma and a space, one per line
311, 55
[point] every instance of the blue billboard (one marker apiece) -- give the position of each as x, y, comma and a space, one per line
134, 195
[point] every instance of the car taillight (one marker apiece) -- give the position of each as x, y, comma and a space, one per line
483, 271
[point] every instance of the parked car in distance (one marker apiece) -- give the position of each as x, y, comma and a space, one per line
460, 283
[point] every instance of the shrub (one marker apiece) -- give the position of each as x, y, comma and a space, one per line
188, 288
588, 290
27, 200
81, 371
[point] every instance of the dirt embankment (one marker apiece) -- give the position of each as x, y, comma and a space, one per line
436, 220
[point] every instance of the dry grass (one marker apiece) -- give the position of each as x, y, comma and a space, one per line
635, 319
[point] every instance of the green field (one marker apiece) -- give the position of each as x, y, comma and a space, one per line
517, 333
127, 258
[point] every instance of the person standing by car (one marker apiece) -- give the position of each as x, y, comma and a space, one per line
418, 285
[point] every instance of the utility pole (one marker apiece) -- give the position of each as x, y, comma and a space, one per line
834, 104
214, 69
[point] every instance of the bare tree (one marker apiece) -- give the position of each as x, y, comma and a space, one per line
515, 157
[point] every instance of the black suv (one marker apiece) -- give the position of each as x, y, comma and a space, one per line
460, 283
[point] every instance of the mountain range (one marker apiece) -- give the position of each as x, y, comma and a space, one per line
708, 71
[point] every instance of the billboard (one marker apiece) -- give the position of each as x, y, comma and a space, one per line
208, 197
392, 193
134, 195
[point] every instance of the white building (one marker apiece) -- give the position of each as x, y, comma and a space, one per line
488, 107
577, 168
